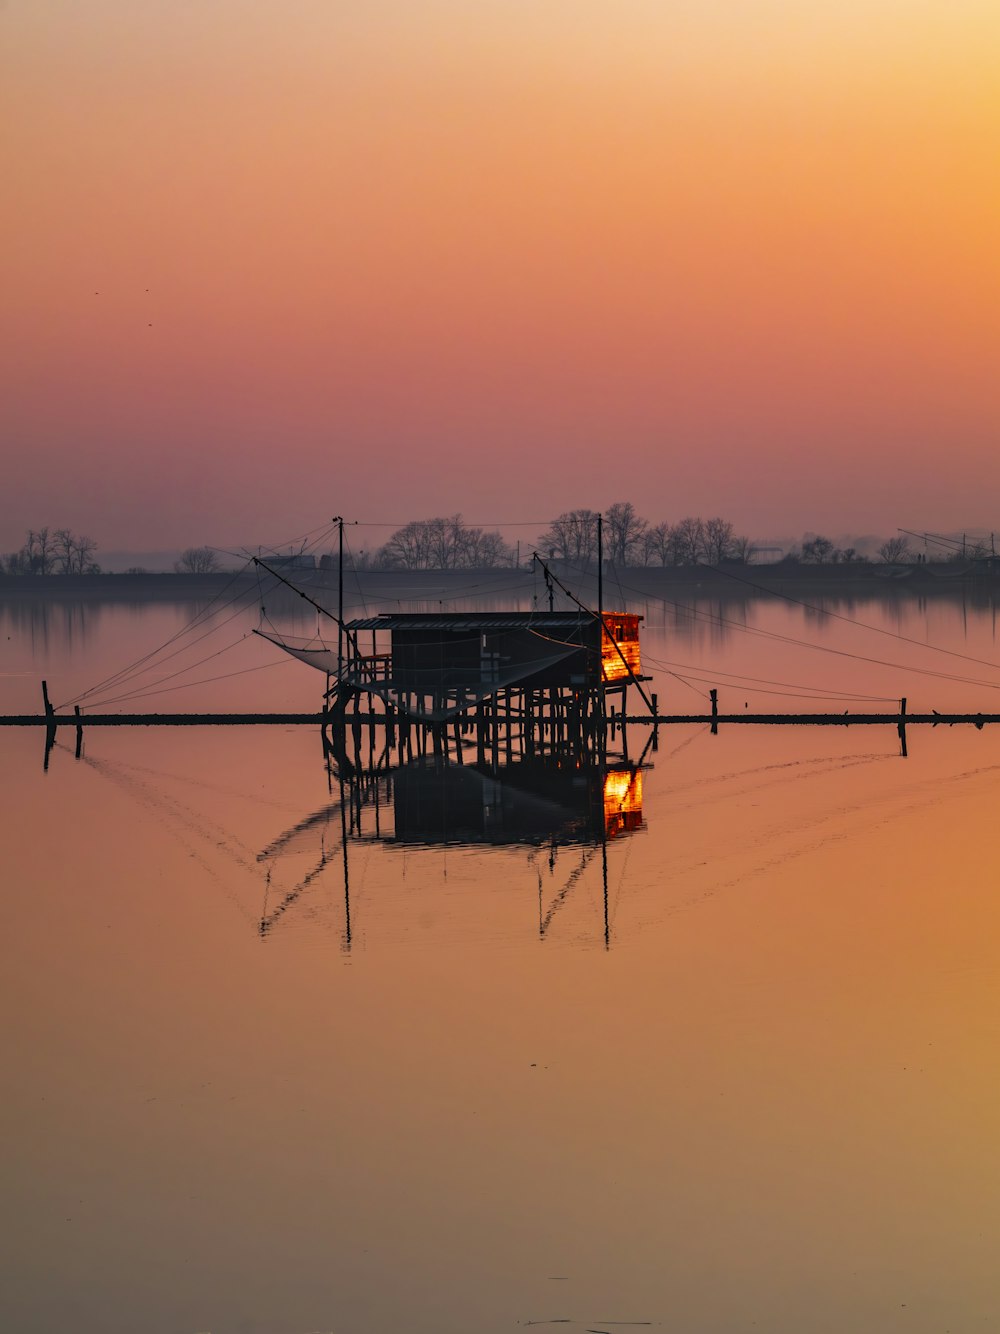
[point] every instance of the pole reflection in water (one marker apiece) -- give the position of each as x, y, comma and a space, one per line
552, 802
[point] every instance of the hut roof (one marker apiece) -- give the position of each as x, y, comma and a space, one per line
473, 621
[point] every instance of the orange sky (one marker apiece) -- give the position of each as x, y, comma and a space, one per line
267, 263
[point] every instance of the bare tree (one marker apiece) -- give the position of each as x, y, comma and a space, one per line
687, 540
625, 531
656, 544
443, 544
197, 560
573, 536
894, 550
446, 539
61, 552
65, 550
83, 556
818, 551
491, 551
716, 540
408, 548
40, 550
17, 562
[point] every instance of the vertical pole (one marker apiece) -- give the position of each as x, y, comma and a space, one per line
604, 879
600, 619
346, 944
656, 723
79, 732
902, 727
714, 695
340, 599
600, 575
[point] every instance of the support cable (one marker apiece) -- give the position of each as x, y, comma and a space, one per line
116, 677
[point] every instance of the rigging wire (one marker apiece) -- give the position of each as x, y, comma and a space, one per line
181, 671
138, 669
850, 620
685, 682
116, 677
741, 680
132, 677
775, 635
186, 685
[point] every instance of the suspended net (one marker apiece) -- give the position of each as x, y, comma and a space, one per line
452, 690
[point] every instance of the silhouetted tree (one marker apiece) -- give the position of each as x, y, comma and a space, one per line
687, 540
624, 531
817, 551
73, 554
716, 540
894, 550
197, 560
61, 552
656, 544
573, 536
443, 544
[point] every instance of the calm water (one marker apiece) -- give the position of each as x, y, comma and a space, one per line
735, 1070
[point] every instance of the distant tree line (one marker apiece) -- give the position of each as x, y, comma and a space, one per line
440, 544
58, 552
822, 551
629, 539
448, 543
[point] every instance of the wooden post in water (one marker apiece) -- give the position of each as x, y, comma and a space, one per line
902, 727
714, 696
79, 733
50, 727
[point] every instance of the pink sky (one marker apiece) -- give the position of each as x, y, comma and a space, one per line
264, 264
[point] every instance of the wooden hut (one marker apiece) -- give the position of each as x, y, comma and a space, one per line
436, 664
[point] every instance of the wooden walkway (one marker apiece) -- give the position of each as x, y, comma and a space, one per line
931, 719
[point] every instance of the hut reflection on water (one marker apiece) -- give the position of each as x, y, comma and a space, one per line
540, 803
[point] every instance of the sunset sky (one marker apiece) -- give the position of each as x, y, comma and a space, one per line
266, 263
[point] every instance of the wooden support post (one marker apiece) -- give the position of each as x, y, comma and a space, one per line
902, 727
480, 733
79, 733
656, 725
714, 696
50, 727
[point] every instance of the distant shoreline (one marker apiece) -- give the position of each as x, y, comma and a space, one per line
425, 585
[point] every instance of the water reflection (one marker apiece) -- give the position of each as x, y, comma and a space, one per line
545, 804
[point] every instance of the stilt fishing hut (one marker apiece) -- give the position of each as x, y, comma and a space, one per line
433, 668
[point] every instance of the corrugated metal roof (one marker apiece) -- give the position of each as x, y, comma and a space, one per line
508, 620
